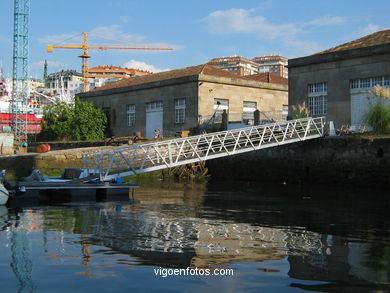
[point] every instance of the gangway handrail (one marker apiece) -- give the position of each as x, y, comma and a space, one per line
140, 158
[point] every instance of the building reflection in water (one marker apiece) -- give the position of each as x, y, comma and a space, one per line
180, 227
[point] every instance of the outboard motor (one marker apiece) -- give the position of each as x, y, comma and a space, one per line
35, 175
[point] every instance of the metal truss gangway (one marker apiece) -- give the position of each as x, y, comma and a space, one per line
140, 158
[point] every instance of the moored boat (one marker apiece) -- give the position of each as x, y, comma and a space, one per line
36, 186
4, 194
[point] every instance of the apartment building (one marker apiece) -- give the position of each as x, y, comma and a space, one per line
236, 64
273, 63
242, 66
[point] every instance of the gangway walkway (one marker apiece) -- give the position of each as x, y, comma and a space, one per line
140, 158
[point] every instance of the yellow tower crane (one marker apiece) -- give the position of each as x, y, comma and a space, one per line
85, 47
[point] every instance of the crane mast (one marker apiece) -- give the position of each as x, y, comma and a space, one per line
20, 80
84, 57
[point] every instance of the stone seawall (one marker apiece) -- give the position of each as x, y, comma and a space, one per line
51, 163
329, 161
345, 160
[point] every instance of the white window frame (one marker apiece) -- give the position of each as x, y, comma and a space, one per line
284, 112
218, 109
180, 110
369, 82
131, 115
154, 106
224, 105
318, 98
248, 110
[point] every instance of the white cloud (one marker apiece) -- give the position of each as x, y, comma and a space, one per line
369, 29
241, 21
327, 20
142, 66
244, 22
50, 64
60, 38
116, 33
124, 19
112, 32
303, 47
288, 35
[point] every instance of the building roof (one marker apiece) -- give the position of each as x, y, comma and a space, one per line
203, 69
373, 44
269, 77
116, 69
375, 39
165, 75
64, 73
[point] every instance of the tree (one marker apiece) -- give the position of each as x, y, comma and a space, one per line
78, 121
56, 121
88, 122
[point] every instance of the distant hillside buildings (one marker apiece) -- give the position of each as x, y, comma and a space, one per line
67, 83
114, 72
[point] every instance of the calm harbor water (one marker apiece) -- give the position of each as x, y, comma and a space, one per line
274, 238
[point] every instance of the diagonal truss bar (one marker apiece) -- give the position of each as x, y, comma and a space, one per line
135, 159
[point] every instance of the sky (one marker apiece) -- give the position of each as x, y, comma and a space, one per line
196, 30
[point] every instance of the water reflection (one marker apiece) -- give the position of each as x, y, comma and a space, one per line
313, 240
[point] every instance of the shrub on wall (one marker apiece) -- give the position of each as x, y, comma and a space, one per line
378, 117
300, 111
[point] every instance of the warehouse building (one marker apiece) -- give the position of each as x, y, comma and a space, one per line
188, 99
337, 83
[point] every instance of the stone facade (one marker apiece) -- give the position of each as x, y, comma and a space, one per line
198, 89
338, 69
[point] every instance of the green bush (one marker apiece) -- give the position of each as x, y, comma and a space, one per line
378, 117
78, 121
88, 122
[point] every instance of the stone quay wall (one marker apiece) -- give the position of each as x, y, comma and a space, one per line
342, 160
347, 160
51, 163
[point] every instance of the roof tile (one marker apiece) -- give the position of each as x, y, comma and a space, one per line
269, 77
189, 71
375, 39
165, 75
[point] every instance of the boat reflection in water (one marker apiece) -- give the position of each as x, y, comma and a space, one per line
279, 238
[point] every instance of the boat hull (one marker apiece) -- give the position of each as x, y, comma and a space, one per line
3, 195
